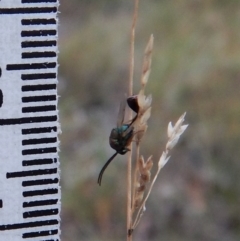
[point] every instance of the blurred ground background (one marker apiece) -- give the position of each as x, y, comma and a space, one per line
196, 68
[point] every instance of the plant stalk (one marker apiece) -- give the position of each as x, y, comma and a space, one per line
130, 92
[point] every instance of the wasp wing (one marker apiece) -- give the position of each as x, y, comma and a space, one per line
121, 114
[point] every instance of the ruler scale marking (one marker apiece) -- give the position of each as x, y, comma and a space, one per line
36, 162
39, 130
40, 203
34, 44
38, 33
39, 213
39, 141
29, 224
39, 1
46, 54
39, 182
40, 233
38, 21
30, 121
38, 98
39, 87
45, 65
39, 151
32, 173
37, 76
34, 10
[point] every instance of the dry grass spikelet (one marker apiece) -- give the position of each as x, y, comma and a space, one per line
141, 121
143, 177
146, 68
174, 132
144, 102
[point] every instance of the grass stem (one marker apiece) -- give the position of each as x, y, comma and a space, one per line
130, 92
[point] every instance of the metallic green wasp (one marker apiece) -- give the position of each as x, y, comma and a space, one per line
119, 139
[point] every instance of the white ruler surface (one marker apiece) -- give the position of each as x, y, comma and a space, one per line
29, 165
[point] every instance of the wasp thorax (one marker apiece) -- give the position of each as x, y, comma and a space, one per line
120, 138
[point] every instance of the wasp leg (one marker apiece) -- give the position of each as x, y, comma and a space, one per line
104, 167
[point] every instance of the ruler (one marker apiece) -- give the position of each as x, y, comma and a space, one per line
29, 165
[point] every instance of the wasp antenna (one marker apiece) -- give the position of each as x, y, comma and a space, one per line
104, 167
